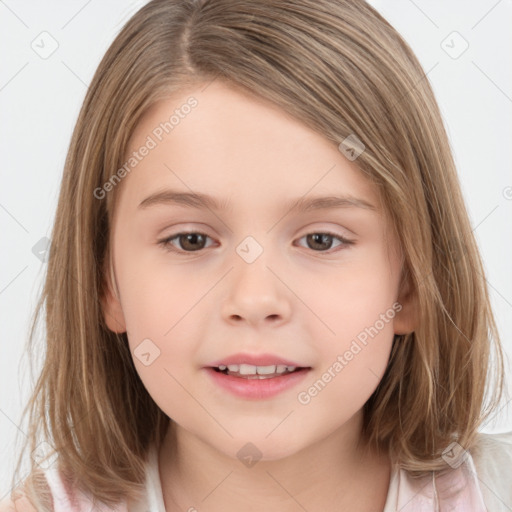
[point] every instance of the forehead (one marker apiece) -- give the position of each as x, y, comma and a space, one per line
221, 140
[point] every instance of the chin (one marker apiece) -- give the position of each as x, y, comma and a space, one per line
261, 448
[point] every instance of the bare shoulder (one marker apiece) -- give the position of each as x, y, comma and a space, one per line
20, 505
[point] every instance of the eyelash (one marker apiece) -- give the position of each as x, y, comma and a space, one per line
167, 245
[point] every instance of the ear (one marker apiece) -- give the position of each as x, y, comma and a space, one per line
406, 320
110, 302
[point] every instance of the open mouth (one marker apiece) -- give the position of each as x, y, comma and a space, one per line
252, 382
247, 371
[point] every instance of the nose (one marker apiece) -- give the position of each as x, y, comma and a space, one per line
256, 294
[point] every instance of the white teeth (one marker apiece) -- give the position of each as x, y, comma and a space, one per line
249, 369
266, 370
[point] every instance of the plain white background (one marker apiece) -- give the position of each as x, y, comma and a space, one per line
465, 50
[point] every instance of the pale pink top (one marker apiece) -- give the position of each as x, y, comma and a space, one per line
481, 483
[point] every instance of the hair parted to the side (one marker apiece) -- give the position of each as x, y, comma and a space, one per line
339, 67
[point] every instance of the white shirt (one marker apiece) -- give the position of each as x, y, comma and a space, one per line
481, 483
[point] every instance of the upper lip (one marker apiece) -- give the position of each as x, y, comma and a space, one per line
255, 360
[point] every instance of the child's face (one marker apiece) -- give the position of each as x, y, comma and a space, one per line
255, 283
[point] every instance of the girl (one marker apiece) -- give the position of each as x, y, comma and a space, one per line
327, 344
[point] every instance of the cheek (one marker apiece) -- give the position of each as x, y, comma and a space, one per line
158, 304
358, 305
155, 293
353, 362
157, 309
354, 298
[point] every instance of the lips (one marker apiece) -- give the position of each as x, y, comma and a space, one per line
256, 387
255, 360
256, 376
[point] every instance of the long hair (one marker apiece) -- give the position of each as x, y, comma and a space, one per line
341, 69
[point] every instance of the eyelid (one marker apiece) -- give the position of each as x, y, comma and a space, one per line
344, 242
167, 245
166, 241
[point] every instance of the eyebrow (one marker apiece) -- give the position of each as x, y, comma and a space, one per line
302, 204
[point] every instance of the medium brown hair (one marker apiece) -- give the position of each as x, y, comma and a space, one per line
341, 69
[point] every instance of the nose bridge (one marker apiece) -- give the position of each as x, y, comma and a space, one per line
254, 292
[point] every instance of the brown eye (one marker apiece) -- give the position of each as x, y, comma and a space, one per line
322, 242
185, 242
192, 241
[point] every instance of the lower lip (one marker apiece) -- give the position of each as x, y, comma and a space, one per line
257, 388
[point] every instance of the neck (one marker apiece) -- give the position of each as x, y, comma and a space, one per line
334, 474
